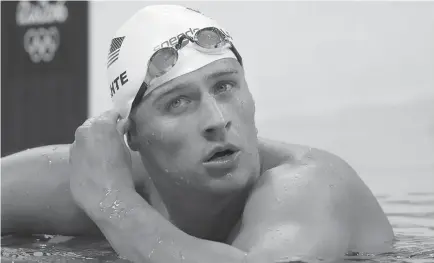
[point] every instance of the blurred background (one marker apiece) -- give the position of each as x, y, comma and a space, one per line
353, 78
44, 72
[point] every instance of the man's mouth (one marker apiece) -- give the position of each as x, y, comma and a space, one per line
222, 157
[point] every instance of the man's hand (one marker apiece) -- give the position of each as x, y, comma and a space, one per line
99, 158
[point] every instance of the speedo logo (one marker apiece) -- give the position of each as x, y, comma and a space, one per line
174, 40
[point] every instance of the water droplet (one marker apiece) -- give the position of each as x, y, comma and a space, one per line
38, 254
278, 200
285, 187
166, 170
229, 175
181, 255
150, 254
332, 185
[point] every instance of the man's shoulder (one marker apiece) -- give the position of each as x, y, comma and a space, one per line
281, 159
314, 192
275, 153
320, 168
310, 177
316, 179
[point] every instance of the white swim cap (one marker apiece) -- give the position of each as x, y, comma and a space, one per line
137, 40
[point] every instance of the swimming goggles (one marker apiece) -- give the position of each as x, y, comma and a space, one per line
164, 59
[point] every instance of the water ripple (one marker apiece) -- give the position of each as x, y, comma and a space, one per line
410, 217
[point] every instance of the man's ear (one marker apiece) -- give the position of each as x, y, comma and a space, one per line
132, 138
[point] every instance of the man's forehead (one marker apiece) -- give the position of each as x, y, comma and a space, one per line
210, 70
213, 70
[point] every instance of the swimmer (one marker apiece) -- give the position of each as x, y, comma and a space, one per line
176, 172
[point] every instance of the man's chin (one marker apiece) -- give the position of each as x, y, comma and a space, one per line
232, 182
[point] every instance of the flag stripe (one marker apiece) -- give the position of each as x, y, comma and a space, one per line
113, 54
112, 62
113, 58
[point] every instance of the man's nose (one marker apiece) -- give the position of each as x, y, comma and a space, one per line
216, 122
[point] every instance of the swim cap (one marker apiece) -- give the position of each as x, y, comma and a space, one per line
151, 28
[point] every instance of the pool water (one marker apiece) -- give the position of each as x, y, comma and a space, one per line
409, 207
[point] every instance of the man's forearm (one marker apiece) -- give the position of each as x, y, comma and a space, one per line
139, 233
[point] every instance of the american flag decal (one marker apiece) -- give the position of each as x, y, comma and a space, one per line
115, 48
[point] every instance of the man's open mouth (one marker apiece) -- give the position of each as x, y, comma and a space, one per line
223, 156
220, 155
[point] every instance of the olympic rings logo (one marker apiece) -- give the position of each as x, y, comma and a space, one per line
41, 43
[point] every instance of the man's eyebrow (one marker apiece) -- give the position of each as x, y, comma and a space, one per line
228, 71
170, 90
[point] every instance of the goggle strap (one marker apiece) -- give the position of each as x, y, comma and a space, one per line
235, 51
142, 90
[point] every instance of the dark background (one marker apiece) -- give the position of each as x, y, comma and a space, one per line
43, 103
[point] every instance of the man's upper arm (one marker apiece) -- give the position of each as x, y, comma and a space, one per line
35, 194
310, 208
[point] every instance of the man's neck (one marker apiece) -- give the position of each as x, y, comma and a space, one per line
202, 215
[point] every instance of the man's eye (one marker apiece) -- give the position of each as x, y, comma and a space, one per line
223, 87
177, 103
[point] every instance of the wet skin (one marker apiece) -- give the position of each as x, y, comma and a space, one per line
272, 199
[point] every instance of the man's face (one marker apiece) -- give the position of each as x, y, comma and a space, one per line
198, 130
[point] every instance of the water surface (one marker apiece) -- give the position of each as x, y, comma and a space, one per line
407, 200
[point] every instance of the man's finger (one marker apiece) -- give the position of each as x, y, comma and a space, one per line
111, 115
123, 126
